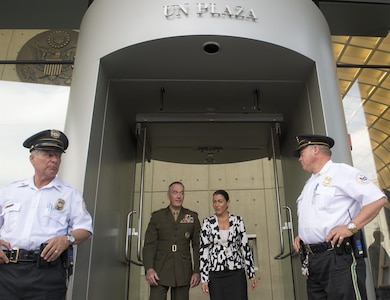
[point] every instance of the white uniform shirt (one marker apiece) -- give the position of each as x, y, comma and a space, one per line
332, 198
30, 216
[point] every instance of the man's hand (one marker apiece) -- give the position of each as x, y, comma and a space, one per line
3, 258
151, 277
55, 246
337, 235
297, 243
195, 279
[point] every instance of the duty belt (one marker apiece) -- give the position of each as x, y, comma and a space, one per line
21, 255
318, 248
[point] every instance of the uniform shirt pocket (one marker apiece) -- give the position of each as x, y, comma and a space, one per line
187, 230
56, 218
10, 214
324, 196
185, 255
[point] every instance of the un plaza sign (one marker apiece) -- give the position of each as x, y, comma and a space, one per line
238, 12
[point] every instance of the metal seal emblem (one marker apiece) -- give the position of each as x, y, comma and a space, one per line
327, 181
49, 47
60, 204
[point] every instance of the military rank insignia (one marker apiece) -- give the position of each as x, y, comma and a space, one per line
187, 219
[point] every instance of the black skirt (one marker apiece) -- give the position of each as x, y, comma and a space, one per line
228, 285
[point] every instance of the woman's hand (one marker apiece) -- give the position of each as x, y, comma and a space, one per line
205, 288
253, 283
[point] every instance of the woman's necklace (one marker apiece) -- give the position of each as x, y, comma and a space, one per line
223, 222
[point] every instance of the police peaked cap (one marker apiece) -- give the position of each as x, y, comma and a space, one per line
50, 139
312, 139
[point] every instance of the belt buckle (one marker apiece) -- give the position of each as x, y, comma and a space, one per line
174, 248
14, 255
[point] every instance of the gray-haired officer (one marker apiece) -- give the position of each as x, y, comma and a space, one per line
335, 203
40, 218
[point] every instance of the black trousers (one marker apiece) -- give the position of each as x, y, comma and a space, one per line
27, 281
228, 285
336, 276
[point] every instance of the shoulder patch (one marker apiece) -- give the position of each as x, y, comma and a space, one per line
361, 178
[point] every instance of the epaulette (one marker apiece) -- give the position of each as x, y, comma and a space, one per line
159, 210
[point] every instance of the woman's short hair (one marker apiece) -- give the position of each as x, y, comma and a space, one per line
223, 193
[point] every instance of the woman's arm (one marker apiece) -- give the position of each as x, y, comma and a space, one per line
204, 250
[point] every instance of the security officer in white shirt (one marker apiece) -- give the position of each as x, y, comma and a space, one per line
40, 219
335, 203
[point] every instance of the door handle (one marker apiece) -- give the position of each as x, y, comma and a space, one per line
290, 227
290, 224
130, 232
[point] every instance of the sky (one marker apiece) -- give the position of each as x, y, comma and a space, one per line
26, 109
362, 155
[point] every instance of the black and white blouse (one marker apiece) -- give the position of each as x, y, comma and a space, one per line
216, 255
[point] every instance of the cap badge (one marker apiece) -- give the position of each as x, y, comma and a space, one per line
327, 181
60, 204
55, 134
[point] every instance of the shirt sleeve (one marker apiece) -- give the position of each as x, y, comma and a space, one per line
360, 188
195, 244
150, 244
204, 251
246, 251
80, 218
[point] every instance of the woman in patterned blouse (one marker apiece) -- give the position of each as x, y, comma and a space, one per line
225, 253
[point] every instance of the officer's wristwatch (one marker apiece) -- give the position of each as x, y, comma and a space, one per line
70, 238
352, 227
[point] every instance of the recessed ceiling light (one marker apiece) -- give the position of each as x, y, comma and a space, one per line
211, 47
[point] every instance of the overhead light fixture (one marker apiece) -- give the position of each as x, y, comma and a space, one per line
210, 160
211, 47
